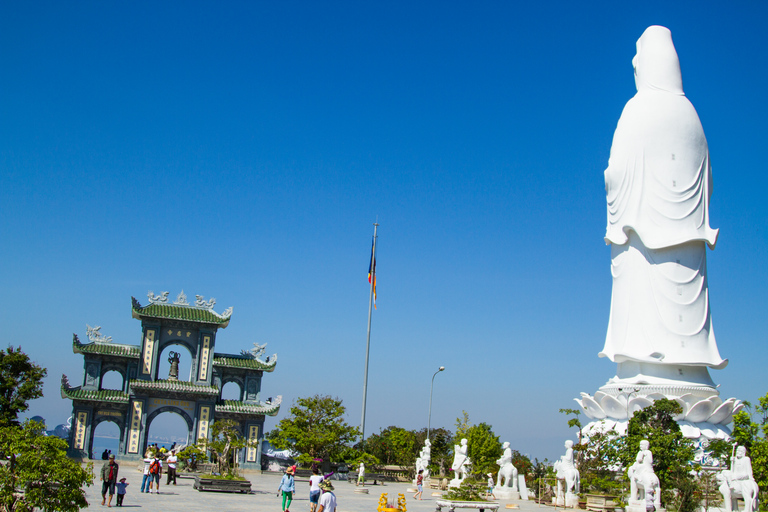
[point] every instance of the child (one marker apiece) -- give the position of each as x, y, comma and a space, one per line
419, 484
121, 491
490, 486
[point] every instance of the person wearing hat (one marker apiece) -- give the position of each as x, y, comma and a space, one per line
490, 486
328, 499
109, 479
121, 485
287, 487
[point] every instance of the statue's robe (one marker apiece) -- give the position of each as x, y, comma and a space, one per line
658, 184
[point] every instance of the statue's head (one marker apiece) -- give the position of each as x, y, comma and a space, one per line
657, 67
741, 451
569, 444
505, 445
644, 444
464, 442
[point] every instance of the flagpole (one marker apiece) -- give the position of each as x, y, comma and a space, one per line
368, 344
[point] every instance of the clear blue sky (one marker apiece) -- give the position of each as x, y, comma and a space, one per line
243, 151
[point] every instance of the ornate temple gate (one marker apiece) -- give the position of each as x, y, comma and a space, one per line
144, 395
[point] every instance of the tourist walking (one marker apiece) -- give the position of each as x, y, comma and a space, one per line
146, 481
121, 488
490, 486
171, 462
287, 487
328, 499
419, 484
314, 488
109, 479
155, 470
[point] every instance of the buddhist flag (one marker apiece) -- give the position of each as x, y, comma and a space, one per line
372, 272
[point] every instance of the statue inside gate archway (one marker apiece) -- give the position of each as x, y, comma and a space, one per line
173, 358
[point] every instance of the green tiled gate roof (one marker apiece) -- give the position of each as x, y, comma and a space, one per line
178, 312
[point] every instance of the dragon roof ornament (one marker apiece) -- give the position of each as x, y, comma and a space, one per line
94, 334
257, 352
181, 300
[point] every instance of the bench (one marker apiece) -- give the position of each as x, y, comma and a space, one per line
476, 505
600, 503
376, 477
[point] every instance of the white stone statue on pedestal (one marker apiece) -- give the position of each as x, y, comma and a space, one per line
422, 463
643, 478
568, 479
658, 184
738, 482
506, 482
461, 463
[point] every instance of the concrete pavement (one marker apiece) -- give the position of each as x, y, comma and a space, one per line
263, 497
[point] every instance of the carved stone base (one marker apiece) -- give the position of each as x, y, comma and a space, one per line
506, 493
639, 506
570, 500
636, 506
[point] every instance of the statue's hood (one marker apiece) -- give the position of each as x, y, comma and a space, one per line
657, 67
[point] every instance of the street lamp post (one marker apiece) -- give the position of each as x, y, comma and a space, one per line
429, 421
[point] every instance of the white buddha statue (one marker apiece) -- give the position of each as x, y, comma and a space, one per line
658, 183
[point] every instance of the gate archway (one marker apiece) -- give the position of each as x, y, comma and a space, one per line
188, 421
110, 438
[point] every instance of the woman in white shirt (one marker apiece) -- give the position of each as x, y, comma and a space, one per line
314, 489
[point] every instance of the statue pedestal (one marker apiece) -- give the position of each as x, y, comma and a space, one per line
506, 493
570, 500
639, 506
635, 506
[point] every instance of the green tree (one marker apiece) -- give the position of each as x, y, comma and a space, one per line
38, 465
462, 427
315, 429
21, 380
225, 438
597, 462
523, 464
483, 446
190, 456
393, 446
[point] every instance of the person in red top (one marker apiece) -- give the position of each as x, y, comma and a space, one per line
419, 484
109, 479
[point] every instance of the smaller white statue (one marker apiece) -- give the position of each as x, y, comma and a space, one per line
739, 482
507, 479
568, 479
422, 463
643, 478
507, 472
461, 463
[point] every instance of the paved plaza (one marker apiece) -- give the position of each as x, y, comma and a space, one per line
263, 497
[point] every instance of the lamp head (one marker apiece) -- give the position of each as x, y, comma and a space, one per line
441, 368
